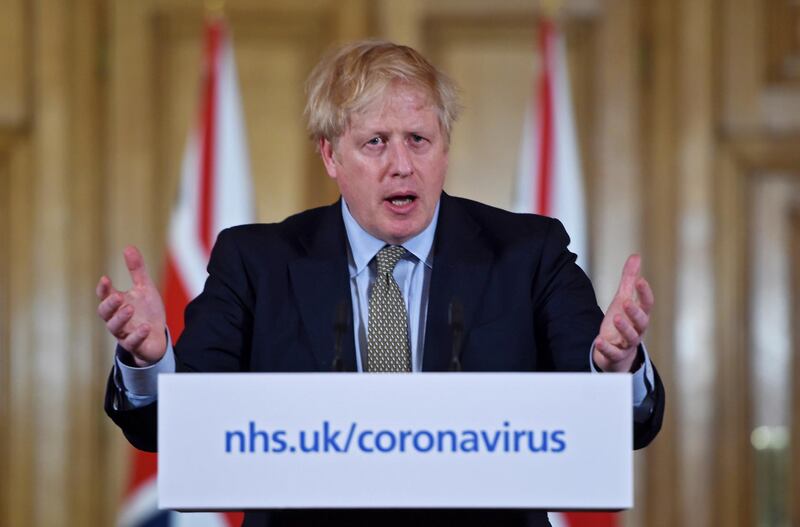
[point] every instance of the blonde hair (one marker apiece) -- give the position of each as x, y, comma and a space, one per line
349, 78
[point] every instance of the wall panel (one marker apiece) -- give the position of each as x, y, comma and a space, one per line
5, 326
758, 134
694, 307
794, 323
741, 165
22, 449
658, 123
87, 476
50, 256
782, 49
769, 359
14, 59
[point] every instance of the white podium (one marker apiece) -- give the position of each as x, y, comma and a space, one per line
430, 440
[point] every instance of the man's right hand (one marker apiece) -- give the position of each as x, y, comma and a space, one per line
135, 317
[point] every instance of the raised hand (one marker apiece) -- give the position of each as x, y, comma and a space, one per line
135, 317
626, 320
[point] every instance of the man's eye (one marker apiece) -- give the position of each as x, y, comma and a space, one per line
375, 141
417, 138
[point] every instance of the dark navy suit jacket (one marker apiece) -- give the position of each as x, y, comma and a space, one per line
270, 303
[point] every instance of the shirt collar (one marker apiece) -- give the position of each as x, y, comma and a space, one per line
365, 246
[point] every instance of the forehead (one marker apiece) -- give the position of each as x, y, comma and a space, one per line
396, 105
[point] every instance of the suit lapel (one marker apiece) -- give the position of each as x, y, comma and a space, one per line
320, 283
461, 266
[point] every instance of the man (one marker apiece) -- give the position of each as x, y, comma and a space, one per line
397, 252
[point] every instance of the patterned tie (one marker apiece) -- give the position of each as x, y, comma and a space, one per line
387, 331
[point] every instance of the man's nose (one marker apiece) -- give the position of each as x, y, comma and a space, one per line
400, 159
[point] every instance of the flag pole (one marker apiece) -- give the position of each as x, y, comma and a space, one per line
214, 9
551, 8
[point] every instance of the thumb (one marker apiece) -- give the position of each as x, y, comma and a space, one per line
135, 264
630, 274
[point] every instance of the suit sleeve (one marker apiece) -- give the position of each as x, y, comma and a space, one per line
219, 322
567, 319
566, 315
216, 337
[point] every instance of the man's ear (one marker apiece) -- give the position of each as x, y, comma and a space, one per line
327, 154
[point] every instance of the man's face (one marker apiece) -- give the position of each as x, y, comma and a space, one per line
390, 164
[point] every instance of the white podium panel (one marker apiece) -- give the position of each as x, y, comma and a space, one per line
430, 440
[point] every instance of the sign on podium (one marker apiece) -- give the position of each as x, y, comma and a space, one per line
430, 440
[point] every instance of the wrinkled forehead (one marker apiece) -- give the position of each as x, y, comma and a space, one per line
391, 101
395, 97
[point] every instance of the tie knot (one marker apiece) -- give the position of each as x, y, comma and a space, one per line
388, 257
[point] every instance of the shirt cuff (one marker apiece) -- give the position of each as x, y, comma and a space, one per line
138, 387
643, 381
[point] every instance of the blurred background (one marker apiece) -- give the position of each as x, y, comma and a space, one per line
688, 119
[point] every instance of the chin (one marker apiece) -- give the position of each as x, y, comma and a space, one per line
396, 234
402, 237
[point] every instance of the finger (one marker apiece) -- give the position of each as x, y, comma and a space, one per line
637, 316
116, 324
626, 330
104, 288
630, 273
109, 306
645, 293
135, 264
135, 339
608, 350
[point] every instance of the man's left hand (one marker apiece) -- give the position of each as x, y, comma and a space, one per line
625, 322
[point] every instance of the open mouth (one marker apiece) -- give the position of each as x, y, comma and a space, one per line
399, 201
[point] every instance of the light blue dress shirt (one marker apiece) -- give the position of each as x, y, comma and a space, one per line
412, 274
138, 386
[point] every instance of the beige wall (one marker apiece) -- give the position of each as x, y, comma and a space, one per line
687, 109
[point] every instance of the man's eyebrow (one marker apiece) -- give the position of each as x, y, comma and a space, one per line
369, 134
418, 128
368, 129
